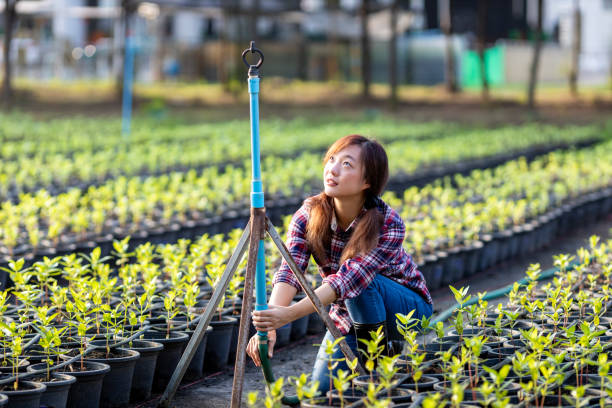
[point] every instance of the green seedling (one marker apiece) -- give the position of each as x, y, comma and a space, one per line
305, 389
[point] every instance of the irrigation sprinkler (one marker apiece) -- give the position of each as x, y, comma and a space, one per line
128, 79
253, 234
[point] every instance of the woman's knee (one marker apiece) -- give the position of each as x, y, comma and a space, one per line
368, 306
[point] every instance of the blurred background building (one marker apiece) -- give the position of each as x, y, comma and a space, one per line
307, 39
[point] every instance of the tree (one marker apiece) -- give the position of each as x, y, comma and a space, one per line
446, 25
10, 17
302, 53
253, 16
535, 61
482, 38
158, 56
333, 9
128, 7
366, 73
393, 52
576, 46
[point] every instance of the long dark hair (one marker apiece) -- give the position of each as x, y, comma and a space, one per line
365, 237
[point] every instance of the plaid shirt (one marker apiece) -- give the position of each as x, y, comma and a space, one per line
349, 279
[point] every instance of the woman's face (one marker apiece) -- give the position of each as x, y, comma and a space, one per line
343, 174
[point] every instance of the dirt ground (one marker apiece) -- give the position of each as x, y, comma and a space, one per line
215, 390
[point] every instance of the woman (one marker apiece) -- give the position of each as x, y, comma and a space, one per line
356, 240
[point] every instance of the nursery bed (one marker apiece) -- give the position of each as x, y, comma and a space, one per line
215, 389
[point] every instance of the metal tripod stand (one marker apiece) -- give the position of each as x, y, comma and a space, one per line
253, 235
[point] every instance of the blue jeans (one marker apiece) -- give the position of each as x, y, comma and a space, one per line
380, 301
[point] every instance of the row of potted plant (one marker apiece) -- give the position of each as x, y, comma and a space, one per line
57, 172
43, 222
77, 152
451, 224
546, 345
118, 326
75, 300
455, 228
24, 135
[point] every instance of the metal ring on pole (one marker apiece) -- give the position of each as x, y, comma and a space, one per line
253, 69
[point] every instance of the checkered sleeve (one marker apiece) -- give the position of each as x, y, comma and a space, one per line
355, 274
296, 244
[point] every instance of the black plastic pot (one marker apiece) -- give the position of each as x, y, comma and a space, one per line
425, 383
56, 394
321, 402
447, 275
299, 328
477, 396
472, 258
398, 395
504, 239
23, 367
315, 324
231, 355
85, 392
144, 369
283, 335
527, 238
218, 343
432, 271
27, 396
196, 366
168, 358
553, 401
117, 383
488, 252
455, 263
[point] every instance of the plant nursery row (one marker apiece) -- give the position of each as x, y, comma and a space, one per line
72, 153
455, 226
85, 328
156, 208
547, 346
57, 172
81, 329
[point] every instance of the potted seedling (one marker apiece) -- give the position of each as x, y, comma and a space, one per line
18, 390
121, 251
372, 397
305, 389
457, 391
171, 309
577, 396
474, 345
387, 371
498, 378
50, 341
461, 297
341, 383
332, 363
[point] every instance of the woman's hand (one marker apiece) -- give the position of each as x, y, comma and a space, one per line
272, 318
253, 347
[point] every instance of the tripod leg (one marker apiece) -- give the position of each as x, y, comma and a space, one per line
348, 353
198, 333
257, 233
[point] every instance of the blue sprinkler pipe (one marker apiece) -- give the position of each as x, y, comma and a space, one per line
128, 79
257, 195
257, 201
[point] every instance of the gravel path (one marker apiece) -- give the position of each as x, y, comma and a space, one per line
215, 390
